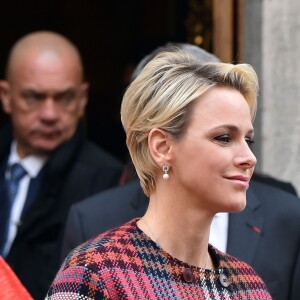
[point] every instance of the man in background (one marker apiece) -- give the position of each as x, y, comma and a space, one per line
46, 164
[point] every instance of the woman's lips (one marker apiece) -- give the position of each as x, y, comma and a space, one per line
240, 179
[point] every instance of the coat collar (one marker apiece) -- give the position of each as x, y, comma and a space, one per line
51, 179
59, 159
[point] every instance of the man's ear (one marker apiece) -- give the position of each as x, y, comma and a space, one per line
83, 97
5, 96
159, 146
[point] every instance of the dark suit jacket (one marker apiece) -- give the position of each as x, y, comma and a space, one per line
266, 234
77, 170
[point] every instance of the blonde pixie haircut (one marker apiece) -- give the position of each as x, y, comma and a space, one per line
162, 96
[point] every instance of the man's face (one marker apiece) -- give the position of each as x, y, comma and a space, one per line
45, 98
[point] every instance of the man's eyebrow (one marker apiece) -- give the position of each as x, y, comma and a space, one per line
70, 90
66, 92
31, 91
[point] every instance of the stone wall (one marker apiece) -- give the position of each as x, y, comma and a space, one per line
272, 46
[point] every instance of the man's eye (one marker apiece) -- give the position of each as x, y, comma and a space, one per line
68, 98
225, 138
32, 100
250, 141
65, 98
33, 97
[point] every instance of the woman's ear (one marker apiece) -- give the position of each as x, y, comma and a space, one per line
159, 146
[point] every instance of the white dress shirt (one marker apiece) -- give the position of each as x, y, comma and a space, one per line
219, 231
32, 164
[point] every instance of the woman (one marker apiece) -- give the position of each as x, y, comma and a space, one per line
189, 131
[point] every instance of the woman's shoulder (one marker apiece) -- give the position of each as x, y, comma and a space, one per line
81, 273
108, 243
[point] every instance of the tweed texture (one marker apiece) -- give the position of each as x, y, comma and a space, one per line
125, 264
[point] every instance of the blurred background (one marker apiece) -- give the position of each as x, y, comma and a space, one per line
113, 36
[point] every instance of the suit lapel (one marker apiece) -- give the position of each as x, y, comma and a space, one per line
47, 190
246, 229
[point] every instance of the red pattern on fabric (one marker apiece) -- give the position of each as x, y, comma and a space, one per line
125, 264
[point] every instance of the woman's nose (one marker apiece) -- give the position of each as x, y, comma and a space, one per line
246, 157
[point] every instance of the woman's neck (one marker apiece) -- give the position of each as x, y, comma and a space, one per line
183, 234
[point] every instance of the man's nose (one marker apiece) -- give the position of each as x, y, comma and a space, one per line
49, 110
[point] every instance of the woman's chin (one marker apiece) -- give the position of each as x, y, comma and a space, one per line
237, 206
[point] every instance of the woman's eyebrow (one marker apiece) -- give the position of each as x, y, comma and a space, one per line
232, 128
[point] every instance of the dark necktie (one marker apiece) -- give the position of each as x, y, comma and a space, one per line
16, 173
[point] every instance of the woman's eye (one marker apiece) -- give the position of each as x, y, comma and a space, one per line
225, 138
250, 141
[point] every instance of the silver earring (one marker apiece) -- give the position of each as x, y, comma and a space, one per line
166, 169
